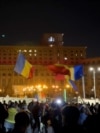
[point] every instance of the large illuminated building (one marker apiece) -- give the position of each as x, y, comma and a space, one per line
50, 50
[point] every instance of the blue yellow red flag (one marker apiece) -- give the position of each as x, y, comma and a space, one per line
23, 67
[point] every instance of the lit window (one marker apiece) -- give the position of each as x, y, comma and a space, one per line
19, 50
25, 50
30, 54
65, 58
30, 50
51, 39
51, 45
35, 50
35, 54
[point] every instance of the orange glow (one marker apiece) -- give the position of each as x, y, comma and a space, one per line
67, 86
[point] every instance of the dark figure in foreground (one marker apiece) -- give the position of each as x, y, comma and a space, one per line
21, 122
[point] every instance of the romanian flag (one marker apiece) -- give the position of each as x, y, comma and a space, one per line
76, 72
59, 69
23, 67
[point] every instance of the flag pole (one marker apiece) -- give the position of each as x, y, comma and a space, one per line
65, 98
83, 86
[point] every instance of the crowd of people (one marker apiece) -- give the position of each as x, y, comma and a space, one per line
49, 117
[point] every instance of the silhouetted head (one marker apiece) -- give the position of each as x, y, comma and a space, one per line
22, 119
70, 115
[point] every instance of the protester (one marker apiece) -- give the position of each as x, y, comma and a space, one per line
10, 120
21, 122
3, 116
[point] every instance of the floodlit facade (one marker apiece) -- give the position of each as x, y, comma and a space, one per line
50, 50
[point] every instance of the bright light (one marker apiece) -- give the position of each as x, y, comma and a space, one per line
35, 100
30, 50
65, 58
51, 39
67, 86
25, 50
35, 50
58, 101
55, 86
35, 54
98, 68
51, 45
91, 68
45, 87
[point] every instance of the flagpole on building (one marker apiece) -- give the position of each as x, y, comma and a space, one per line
83, 86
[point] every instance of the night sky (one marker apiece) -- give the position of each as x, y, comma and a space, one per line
26, 21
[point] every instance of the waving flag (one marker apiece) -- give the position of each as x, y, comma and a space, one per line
23, 67
76, 72
59, 69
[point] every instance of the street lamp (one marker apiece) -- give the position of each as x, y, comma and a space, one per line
94, 79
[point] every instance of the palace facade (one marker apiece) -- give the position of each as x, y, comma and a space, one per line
50, 50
